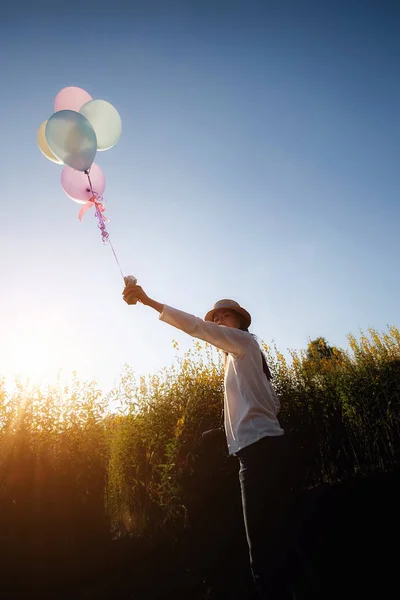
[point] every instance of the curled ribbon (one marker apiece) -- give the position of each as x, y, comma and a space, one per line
101, 219
92, 202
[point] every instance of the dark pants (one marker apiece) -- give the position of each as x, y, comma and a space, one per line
265, 486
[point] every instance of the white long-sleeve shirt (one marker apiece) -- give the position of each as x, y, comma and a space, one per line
250, 402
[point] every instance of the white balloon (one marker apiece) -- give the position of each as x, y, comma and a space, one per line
105, 120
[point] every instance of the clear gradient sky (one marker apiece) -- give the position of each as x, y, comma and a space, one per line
259, 160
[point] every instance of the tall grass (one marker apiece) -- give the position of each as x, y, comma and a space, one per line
76, 465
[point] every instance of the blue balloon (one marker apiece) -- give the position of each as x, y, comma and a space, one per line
72, 139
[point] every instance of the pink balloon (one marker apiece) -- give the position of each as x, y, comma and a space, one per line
76, 185
71, 98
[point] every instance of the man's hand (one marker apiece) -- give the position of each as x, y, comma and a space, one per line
132, 293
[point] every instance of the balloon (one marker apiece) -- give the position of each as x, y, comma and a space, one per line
71, 98
105, 120
43, 145
72, 139
76, 184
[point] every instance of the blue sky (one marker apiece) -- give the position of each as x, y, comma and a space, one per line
259, 160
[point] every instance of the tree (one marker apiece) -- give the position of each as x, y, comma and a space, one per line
319, 349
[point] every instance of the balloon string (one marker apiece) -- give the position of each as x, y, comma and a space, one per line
101, 224
116, 258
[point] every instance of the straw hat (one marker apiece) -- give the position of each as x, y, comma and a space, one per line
232, 305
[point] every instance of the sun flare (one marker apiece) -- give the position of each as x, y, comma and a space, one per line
37, 351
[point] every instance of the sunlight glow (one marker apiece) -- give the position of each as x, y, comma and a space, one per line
38, 351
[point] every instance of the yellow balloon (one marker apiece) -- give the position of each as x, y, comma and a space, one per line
44, 147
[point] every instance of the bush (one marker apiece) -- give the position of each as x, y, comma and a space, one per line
77, 467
